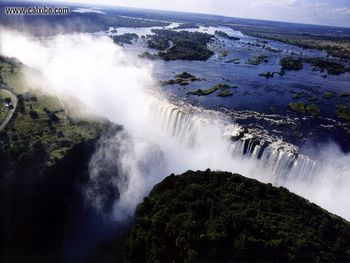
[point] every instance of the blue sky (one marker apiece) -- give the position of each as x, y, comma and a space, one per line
324, 12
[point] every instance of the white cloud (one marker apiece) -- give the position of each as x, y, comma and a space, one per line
303, 11
345, 11
277, 3
88, 10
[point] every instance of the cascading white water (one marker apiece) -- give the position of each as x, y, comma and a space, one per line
176, 121
280, 160
164, 137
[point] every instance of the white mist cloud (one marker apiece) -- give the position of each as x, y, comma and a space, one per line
126, 165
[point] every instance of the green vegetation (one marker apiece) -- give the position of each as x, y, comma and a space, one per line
333, 68
3, 108
182, 82
173, 45
205, 92
267, 74
301, 107
186, 75
187, 26
298, 95
257, 60
41, 131
225, 35
344, 95
183, 79
223, 217
312, 99
225, 93
148, 55
328, 95
109, 20
233, 60
336, 45
290, 63
223, 54
343, 112
160, 40
313, 109
263, 44
126, 38
223, 88
187, 51
297, 106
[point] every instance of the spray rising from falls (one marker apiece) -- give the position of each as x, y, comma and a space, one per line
162, 136
279, 161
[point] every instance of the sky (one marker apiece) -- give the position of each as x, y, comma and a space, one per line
322, 12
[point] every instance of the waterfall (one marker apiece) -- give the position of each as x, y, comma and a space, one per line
182, 121
281, 160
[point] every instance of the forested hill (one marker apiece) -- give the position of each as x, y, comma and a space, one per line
223, 217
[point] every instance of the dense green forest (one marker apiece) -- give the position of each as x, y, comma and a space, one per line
225, 35
173, 45
126, 38
223, 217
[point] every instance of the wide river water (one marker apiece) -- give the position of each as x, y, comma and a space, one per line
258, 102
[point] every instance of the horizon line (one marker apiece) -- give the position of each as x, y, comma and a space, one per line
180, 11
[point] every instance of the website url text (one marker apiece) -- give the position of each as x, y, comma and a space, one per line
37, 10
